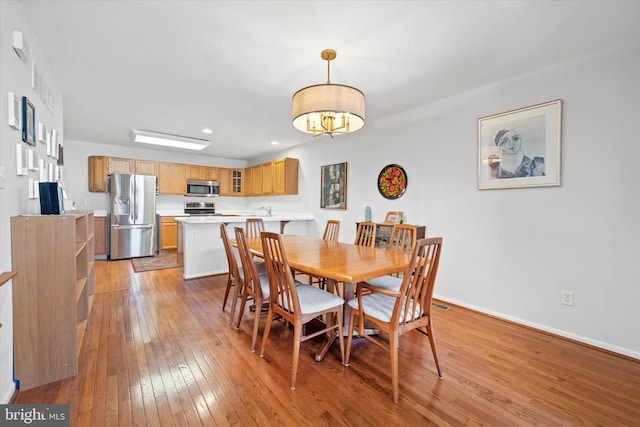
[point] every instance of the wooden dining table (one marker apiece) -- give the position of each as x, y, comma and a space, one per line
339, 262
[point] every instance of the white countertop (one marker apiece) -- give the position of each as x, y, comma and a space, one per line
217, 219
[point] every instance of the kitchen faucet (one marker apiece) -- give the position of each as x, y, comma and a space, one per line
267, 209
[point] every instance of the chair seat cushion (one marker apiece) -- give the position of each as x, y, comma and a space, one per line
260, 266
264, 284
386, 282
313, 300
378, 306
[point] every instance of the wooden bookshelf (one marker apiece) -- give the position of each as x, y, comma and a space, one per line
53, 258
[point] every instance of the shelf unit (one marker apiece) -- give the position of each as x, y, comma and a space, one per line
53, 256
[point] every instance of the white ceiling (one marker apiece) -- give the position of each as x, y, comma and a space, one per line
179, 66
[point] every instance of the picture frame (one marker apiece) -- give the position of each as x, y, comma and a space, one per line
13, 118
393, 217
42, 133
333, 186
28, 122
520, 148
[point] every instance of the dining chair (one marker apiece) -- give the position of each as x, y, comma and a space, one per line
402, 239
366, 234
297, 305
253, 227
331, 232
235, 277
255, 285
397, 312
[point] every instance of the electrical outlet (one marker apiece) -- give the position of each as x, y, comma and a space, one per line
86, 202
567, 298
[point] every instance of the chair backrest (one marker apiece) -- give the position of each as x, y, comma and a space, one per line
231, 258
251, 276
403, 237
418, 282
254, 226
283, 294
331, 230
366, 234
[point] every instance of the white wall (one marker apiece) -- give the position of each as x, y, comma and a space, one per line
15, 76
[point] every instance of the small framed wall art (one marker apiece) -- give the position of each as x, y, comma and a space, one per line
520, 148
28, 122
333, 186
14, 111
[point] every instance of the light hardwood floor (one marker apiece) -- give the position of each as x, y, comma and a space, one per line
158, 351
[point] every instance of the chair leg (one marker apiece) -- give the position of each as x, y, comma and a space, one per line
236, 292
434, 350
226, 292
256, 323
393, 349
267, 329
243, 302
297, 335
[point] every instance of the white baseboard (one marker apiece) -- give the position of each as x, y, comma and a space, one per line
6, 396
603, 345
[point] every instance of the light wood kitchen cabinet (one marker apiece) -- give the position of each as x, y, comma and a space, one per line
168, 232
172, 178
253, 181
100, 235
120, 165
236, 176
285, 176
101, 166
205, 173
53, 256
224, 179
267, 179
146, 167
98, 174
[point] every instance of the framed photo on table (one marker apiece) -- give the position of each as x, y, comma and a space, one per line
520, 148
333, 186
393, 217
28, 122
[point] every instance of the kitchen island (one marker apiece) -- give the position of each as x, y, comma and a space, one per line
200, 249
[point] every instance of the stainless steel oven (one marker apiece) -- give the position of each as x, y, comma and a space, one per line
200, 208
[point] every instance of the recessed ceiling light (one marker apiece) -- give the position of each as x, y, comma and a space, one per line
207, 130
274, 143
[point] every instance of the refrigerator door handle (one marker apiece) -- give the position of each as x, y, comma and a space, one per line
131, 227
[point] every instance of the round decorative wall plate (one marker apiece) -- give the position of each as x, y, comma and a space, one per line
392, 181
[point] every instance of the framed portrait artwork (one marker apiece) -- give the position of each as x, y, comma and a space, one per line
520, 148
333, 186
28, 122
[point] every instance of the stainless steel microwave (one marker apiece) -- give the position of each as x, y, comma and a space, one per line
201, 188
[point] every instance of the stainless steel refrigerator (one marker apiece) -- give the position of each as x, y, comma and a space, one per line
132, 216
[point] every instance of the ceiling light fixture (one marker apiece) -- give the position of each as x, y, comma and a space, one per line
167, 140
328, 109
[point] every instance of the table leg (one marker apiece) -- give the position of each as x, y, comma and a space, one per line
330, 337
